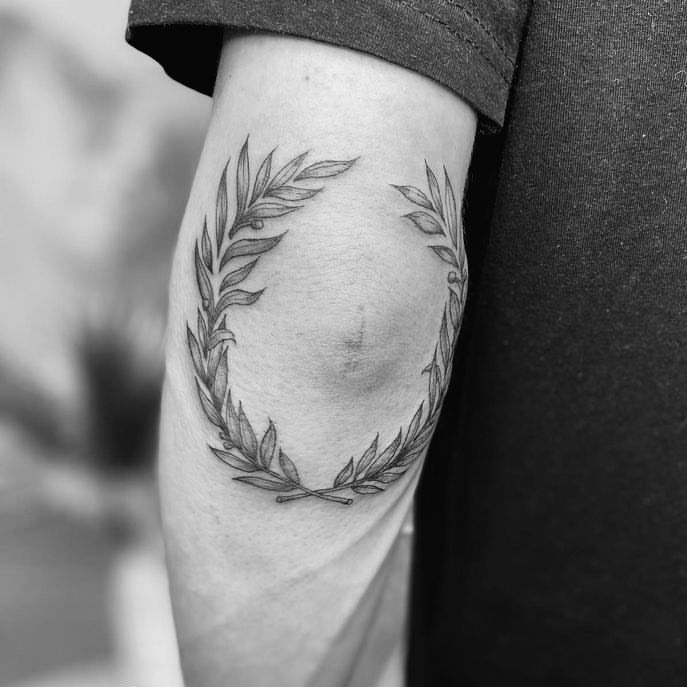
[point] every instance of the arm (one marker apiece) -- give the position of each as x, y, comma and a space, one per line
322, 302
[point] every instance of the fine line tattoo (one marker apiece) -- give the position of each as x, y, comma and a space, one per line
223, 261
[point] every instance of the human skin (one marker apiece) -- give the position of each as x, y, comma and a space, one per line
329, 351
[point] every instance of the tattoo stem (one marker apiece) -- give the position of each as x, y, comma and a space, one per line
321, 493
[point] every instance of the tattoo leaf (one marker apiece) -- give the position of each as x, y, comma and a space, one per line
208, 406
238, 297
242, 180
408, 457
286, 172
249, 247
203, 280
194, 349
270, 210
268, 447
288, 468
446, 254
434, 386
386, 456
415, 195
220, 336
366, 489
420, 442
205, 247
425, 222
202, 331
235, 460
434, 190
367, 457
389, 477
444, 343
266, 483
219, 387
415, 422
237, 276
322, 170
261, 178
345, 474
454, 308
248, 440
451, 212
221, 207
213, 360
233, 424
293, 193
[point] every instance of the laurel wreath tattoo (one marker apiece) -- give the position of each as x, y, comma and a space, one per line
223, 261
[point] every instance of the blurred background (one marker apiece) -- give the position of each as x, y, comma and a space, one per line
97, 153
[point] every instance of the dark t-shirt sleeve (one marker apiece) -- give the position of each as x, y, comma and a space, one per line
470, 46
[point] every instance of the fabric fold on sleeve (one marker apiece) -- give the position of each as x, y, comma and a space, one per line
469, 46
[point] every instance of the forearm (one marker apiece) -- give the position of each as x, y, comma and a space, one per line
303, 371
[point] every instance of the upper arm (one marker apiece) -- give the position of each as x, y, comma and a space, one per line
312, 320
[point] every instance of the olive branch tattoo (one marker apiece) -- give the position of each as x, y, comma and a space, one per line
224, 261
